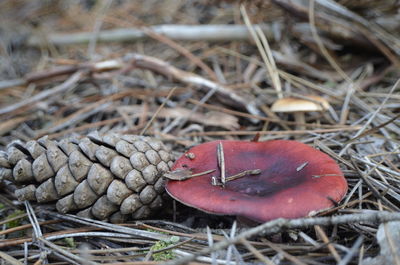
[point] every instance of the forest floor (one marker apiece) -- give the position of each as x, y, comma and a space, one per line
188, 72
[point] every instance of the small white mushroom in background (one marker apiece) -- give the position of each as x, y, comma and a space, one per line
299, 106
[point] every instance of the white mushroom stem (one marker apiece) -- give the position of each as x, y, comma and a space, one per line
300, 119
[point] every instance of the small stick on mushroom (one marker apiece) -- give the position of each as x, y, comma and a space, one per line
324, 175
203, 173
183, 174
221, 162
244, 173
301, 166
215, 182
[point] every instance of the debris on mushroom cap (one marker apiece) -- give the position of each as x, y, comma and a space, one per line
290, 180
315, 103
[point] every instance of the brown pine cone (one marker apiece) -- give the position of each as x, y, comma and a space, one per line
112, 177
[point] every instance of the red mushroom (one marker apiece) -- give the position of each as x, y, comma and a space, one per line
289, 180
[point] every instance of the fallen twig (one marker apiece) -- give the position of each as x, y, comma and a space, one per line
175, 32
216, 133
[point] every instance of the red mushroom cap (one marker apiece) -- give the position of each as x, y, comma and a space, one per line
295, 180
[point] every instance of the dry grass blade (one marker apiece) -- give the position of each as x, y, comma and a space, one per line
353, 251
372, 187
392, 246
9, 125
375, 113
185, 52
390, 40
76, 117
210, 244
374, 129
170, 93
325, 239
265, 51
321, 45
9, 259
13, 219
68, 84
104, 7
24, 227
63, 252
289, 257
108, 226
256, 253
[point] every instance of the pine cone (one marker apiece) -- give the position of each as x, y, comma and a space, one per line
111, 177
